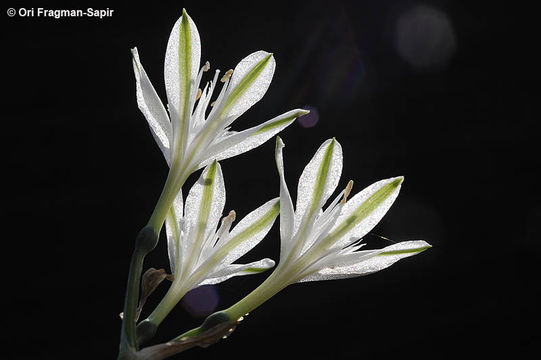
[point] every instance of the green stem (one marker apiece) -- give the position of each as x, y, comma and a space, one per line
258, 296
165, 306
145, 242
172, 186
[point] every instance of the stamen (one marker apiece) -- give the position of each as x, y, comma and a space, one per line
212, 103
206, 67
227, 75
232, 215
226, 223
199, 92
347, 191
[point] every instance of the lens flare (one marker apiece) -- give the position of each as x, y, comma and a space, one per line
201, 301
425, 38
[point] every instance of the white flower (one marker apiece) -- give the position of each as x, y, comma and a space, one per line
323, 245
202, 253
189, 135
319, 244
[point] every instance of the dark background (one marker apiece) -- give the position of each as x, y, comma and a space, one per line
438, 91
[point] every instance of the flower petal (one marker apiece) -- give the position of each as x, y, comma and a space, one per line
248, 232
249, 82
362, 212
368, 262
318, 181
181, 68
243, 141
152, 108
204, 207
173, 229
287, 214
229, 271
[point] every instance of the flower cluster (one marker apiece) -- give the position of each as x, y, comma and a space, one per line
318, 242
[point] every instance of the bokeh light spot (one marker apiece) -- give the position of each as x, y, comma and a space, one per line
425, 38
311, 119
201, 301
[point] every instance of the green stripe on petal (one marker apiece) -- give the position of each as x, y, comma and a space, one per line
229, 271
185, 75
258, 226
321, 178
318, 181
206, 201
275, 124
253, 229
242, 241
243, 86
364, 210
236, 143
202, 216
404, 251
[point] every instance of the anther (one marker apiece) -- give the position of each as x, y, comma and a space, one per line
212, 103
227, 75
199, 93
347, 191
206, 67
232, 215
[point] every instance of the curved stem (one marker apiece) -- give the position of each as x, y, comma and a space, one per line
146, 241
172, 186
258, 296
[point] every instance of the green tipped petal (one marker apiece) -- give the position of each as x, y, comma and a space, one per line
362, 212
250, 81
228, 272
367, 262
318, 180
182, 59
243, 141
204, 207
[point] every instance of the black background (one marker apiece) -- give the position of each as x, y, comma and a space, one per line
82, 174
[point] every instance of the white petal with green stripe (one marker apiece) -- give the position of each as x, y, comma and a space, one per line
248, 232
236, 143
318, 180
182, 58
364, 211
250, 80
152, 107
368, 262
204, 206
229, 271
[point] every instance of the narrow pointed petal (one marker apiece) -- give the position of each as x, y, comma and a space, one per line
182, 59
243, 141
173, 229
250, 81
318, 180
229, 271
363, 211
204, 206
152, 107
287, 214
368, 262
248, 232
